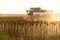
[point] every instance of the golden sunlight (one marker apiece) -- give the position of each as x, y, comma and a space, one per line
20, 6
54, 17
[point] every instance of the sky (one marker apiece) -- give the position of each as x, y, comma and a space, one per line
20, 6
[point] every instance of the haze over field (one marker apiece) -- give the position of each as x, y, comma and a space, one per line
47, 17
